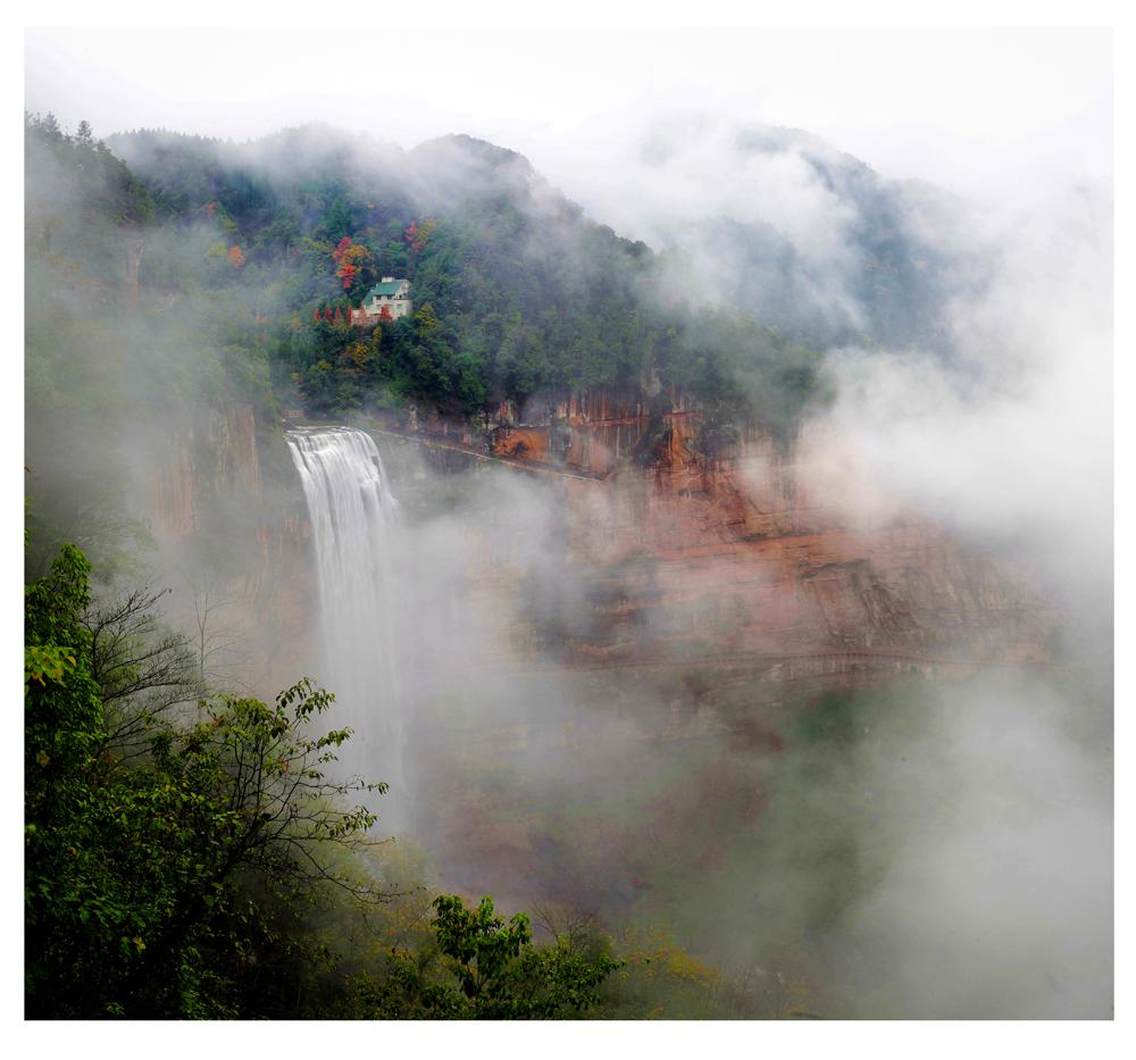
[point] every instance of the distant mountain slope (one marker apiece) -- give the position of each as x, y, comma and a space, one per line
777, 244
773, 222
808, 239
517, 292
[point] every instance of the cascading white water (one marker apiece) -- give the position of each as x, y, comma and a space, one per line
353, 516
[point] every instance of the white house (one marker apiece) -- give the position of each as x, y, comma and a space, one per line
389, 294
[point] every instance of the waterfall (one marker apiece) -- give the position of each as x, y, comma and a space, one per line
353, 517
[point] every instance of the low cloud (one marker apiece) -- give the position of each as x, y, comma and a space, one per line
1010, 439
998, 902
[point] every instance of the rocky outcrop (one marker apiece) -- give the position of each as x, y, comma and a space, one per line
665, 552
594, 433
672, 550
171, 492
214, 455
229, 521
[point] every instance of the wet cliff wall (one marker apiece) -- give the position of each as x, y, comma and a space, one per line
660, 552
232, 535
772, 550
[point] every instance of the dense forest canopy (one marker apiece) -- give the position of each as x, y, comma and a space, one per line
268, 244
517, 293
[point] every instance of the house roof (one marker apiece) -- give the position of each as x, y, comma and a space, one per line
390, 287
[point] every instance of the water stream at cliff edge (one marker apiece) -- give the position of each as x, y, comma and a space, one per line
354, 529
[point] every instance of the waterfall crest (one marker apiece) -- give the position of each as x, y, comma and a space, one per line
354, 530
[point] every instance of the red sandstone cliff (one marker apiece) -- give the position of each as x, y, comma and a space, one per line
227, 532
749, 557
215, 454
782, 553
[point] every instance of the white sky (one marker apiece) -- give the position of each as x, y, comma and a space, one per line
973, 110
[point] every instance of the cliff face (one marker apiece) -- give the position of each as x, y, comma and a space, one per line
661, 554
669, 613
686, 609
230, 524
215, 455
699, 558
595, 433
779, 554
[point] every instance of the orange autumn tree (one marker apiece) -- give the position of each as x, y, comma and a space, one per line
349, 256
417, 234
236, 256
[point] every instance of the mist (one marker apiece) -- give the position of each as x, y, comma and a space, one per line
743, 588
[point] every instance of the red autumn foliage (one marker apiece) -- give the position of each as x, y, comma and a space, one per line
417, 235
236, 256
348, 255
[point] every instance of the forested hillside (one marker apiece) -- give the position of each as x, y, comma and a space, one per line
516, 292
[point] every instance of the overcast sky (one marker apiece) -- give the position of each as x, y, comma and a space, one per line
978, 111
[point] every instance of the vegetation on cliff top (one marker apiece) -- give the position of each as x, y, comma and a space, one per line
516, 291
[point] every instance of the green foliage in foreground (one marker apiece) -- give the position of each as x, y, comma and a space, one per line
192, 873
481, 967
145, 870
